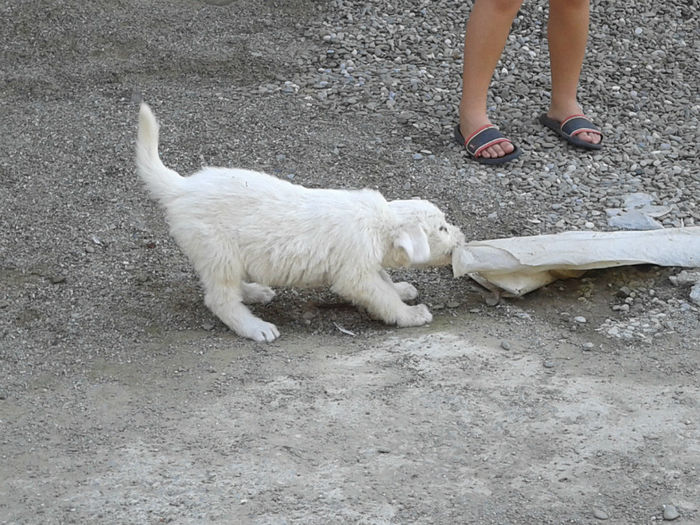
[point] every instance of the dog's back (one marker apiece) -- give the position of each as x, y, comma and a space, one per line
261, 225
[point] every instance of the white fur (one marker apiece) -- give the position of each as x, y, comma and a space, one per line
245, 231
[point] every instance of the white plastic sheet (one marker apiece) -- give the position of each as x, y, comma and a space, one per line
518, 265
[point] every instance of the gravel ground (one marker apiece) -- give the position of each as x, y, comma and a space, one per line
123, 400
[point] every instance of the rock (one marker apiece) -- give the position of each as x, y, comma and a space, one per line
685, 277
580, 319
600, 514
548, 364
634, 220
695, 294
588, 346
671, 513
505, 345
624, 292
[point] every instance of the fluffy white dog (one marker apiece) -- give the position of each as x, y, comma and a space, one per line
245, 231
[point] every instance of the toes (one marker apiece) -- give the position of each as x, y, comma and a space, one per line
593, 138
406, 291
414, 316
497, 150
260, 331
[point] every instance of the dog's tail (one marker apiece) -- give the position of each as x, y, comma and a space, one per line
162, 182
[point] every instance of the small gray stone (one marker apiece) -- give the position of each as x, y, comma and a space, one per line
580, 319
492, 299
505, 345
600, 514
671, 513
624, 292
588, 346
695, 294
549, 364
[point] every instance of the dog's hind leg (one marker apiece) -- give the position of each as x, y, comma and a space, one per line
381, 299
256, 293
406, 291
226, 301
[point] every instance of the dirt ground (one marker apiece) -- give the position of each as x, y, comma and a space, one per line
124, 400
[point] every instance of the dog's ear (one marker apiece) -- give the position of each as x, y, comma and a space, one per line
413, 241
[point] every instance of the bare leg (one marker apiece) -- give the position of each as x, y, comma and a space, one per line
256, 293
406, 291
567, 33
487, 31
226, 303
382, 301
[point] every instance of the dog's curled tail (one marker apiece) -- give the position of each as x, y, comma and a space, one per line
162, 182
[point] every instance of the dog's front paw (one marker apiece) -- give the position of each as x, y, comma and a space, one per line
406, 291
414, 316
256, 293
260, 331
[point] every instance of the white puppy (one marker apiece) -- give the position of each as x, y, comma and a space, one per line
245, 231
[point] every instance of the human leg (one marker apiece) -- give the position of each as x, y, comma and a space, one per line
487, 30
567, 34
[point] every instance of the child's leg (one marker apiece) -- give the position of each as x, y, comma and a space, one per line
567, 33
487, 31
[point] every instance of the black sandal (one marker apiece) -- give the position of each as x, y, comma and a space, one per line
483, 138
572, 126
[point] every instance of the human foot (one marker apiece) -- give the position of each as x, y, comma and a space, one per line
568, 111
487, 145
469, 127
571, 128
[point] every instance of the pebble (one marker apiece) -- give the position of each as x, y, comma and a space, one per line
600, 514
492, 299
580, 319
505, 345
695, 294
671, 513
549, 364
588, 346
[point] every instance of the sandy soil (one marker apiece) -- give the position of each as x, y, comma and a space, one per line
124, 400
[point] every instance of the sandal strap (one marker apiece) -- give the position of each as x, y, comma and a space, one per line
576, 124
483, 138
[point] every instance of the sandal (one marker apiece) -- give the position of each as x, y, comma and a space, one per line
572, 126
483, 138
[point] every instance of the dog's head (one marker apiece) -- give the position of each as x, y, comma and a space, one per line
421, 236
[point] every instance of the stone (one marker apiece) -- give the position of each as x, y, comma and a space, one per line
600, 514
671, 513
